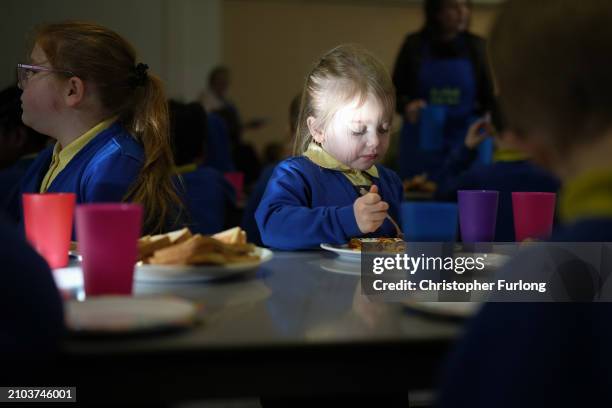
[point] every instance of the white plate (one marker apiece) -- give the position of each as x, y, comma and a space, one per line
447, 309
127, 314
337, 265
343, 251
197, 273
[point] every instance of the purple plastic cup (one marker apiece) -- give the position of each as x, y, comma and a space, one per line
108, 241
477, 215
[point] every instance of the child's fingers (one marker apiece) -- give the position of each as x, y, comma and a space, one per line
374, 189
489, 128
370, 198
474, 127
378, 217
376, 207
382, 206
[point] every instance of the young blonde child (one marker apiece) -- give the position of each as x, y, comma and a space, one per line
345, 117
85, 88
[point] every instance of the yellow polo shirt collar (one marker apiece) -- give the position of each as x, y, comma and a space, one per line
62, 156
587, 196
509, 155
186, 168
320, 157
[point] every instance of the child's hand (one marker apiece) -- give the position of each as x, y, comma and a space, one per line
412, 110
478, 131
370, 211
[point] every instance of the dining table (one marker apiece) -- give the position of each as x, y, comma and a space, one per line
296, 325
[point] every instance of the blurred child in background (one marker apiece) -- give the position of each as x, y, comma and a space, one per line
551, 66
248, 219
510, 171
208, 196
215, 100
343, 130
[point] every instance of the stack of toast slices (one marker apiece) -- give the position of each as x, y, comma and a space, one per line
184, 248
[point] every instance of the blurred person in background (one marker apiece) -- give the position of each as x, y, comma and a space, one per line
551, 68
511, 170
215, 100
281, 152
208, 197
443, 65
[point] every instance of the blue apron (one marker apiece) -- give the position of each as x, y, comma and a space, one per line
448, 83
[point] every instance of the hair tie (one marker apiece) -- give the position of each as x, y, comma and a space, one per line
139, 76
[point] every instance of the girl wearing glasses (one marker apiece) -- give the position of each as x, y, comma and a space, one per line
109, 116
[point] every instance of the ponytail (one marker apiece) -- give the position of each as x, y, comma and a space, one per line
154, 188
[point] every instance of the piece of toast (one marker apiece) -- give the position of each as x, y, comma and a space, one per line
232, 236
148, 244
202, 250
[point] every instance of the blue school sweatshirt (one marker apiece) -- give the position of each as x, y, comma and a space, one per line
102, 171
248, 216
305, 205
207, 196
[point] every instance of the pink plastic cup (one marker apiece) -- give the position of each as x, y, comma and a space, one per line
533, 215
48, 225
236, 179
108, 241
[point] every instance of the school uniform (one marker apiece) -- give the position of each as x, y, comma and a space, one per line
510, 171
309, 200
99, 166
542, 354
218, 151
248, 217
207, 197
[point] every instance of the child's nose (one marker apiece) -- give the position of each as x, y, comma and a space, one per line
373, 140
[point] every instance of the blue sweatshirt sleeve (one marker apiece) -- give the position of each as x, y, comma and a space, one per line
286, 220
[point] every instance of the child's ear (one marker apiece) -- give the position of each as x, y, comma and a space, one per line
74, 92
315, 131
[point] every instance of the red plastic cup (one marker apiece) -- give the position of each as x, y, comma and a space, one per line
236, 179
48, 225
108, 241
533, 215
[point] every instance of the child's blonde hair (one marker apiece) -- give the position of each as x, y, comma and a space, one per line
95, 53
346, 72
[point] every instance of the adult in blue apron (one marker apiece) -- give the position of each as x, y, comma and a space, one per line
442, 83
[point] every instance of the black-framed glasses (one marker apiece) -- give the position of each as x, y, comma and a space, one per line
25, 72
